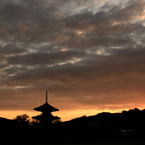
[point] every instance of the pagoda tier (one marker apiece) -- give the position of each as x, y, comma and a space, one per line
45, 117
46, 107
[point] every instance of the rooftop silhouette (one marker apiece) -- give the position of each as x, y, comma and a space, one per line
46, 117
46, 107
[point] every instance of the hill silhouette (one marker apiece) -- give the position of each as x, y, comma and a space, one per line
105, 126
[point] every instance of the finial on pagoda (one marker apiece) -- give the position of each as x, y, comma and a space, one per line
46, 107
46, 117
46, 96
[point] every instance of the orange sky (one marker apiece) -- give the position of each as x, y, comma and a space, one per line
64, 115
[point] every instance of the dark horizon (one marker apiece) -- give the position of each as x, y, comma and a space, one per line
125, 127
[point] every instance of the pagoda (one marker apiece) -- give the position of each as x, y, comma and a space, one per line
46, 117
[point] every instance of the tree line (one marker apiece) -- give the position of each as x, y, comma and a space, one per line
127, 125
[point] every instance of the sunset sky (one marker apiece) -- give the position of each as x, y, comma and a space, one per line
88, 54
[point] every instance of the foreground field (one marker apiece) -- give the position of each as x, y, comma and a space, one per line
107, 143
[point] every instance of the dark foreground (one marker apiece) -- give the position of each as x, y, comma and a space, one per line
103, 143
107, 143
61, 134
126, 128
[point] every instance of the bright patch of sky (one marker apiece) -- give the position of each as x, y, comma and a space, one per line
91, 5
102, 52
74, 60
32, 67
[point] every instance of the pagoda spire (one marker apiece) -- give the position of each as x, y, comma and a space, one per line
46, 96
46, 117
46, 107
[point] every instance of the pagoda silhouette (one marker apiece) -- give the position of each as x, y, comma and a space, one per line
46, 118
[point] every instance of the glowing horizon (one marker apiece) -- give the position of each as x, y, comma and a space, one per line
64, 115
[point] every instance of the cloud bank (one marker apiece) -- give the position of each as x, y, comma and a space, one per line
87, 54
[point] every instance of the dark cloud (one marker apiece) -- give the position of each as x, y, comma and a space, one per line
10, 49
39, 58
83, 52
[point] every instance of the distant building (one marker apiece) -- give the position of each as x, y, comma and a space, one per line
46, 117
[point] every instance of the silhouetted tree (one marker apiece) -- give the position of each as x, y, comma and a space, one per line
23, 119
56, 120
34, 121
47, 119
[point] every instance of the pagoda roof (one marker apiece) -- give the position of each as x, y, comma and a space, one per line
46, 107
